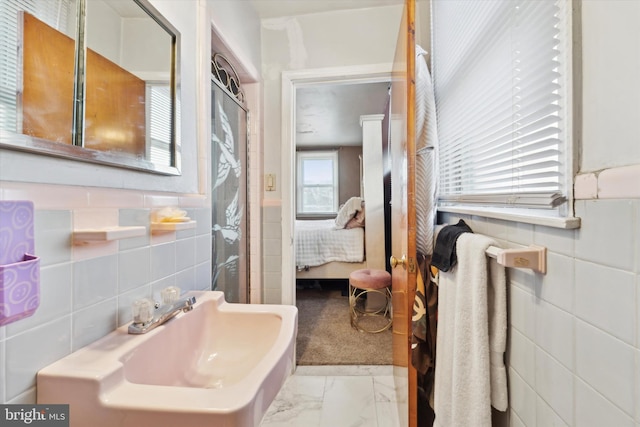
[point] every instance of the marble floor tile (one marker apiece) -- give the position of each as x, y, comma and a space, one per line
387, 414
349, 401
336, 396
384, 388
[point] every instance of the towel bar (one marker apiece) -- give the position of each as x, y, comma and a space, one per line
533, 257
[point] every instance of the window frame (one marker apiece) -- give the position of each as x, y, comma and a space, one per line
303, 155
562, 217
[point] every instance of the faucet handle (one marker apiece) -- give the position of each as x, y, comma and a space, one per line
142, 310
170, 295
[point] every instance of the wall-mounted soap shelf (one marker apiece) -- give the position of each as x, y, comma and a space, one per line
167, 227
107, 234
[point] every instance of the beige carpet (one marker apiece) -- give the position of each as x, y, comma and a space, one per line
325, 335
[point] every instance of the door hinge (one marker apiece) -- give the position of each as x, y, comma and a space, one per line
412, 265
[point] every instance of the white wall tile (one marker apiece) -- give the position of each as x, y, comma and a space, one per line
605, 297
185, 253
133, 268
26, 398
272, 246
203, 220
53, 236
521, 312
272, 296
606, 364
55, 299
186, 279
163, 260
159, 285
606, 234
515, 421
522, 356
558, 285
637, 240
203, 248
525, 279
555, 239
31, 351
546, 416
522, 399
554, 383
555, 332
520, 233
272, 264
637, 383
138, 217
593, 410
203, 276
94, 280
94, 322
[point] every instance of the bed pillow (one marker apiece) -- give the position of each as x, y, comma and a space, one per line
358, 220
348, 211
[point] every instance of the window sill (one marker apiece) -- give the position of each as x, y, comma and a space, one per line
519, 216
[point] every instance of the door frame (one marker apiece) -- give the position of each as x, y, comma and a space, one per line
291, 80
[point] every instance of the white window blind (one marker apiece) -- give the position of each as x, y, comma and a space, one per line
159, 123
55, 13
501, 72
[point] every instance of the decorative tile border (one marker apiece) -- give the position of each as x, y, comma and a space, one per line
615, 183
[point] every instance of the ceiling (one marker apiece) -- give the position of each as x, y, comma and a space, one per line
278, 8
329, 114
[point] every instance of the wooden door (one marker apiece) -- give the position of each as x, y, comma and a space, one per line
403, 217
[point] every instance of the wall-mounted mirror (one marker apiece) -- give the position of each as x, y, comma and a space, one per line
94, 80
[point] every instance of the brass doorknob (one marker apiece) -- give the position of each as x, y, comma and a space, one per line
395, 261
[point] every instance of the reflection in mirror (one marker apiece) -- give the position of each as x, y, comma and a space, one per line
126, 98
24, 26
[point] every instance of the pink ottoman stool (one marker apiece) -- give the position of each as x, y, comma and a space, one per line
361, 283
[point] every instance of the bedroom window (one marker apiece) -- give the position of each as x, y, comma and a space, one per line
502, 81
317, 179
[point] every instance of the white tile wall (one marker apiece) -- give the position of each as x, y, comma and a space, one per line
522, 399
272, 251
554, 384
607, 364
574, 338
85, 297
546, 417
605, 298
593, 410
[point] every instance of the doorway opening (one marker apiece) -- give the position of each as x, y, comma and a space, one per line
325, 115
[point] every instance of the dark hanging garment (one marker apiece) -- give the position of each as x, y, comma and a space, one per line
423, 340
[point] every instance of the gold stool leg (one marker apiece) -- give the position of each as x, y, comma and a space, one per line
357, 313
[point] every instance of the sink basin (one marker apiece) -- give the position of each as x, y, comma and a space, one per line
220, 364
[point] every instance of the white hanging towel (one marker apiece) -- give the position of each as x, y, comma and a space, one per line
426, 159
470, 373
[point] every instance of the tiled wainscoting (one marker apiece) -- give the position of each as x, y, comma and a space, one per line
574, 333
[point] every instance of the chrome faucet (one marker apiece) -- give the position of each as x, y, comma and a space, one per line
143, 324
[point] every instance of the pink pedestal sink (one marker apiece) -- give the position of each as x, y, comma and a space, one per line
220, 365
